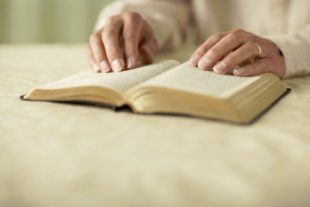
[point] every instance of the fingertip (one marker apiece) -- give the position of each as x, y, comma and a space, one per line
204, 64
236, 72
131, 62
239, 72
96, 68
118, 65
104, 66
194, 60
220, 68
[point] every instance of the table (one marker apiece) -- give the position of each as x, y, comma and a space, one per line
55, 154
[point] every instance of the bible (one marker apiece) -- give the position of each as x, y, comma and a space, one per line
171, 88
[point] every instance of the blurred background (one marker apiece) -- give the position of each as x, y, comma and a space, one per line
48, 21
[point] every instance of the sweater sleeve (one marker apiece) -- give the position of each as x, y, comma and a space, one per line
168, 18
296, 50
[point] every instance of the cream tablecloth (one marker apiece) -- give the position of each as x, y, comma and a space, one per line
70, 155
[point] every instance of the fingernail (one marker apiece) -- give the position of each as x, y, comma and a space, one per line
130, 62
220, 67
105, 66
194, 60
204, 63
96, 68
118, 65
239, 72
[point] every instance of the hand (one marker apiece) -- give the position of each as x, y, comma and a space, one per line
227, 52
120, 43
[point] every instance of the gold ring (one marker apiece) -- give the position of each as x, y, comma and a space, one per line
260, 50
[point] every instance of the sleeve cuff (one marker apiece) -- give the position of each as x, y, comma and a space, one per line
295, 52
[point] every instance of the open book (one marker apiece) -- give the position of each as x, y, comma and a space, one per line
170, 87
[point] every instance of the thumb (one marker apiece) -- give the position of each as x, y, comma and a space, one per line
256, 68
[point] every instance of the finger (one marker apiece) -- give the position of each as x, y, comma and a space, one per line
201, 51
98, 52
111, 40
219, 50
146, 54
131, 36
236, 58
149, 38
147, 49
91, 60
257, 68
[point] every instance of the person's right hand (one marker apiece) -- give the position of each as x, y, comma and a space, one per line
121, 43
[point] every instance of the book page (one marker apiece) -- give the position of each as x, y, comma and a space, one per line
192, 79
119, 82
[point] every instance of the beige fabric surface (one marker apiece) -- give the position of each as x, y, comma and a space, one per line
69, 155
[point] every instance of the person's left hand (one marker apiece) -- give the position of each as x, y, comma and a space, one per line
239, 53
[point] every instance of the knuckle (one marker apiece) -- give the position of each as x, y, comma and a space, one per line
214, 53
130, 37
108, 33
238, 31
216, 37
133, 16
95, 36
232, 37
111, 20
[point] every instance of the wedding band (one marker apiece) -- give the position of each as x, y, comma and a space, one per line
260, 50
